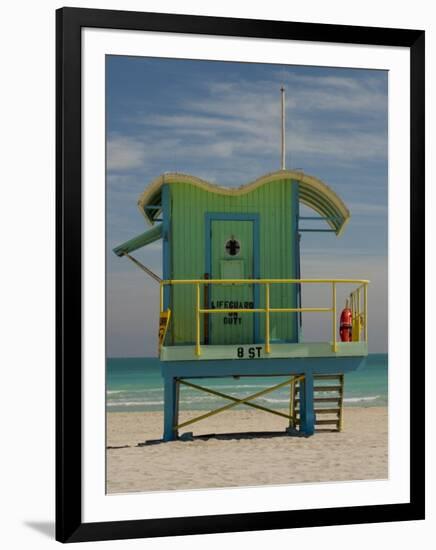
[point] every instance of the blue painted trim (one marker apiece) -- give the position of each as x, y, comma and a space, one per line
231, 216
307, 413
298, 256
171, 408
260, 367
295, 212
166, 241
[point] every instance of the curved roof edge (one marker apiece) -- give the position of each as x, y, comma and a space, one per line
313, 193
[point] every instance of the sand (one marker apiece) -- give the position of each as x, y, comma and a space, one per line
359, 452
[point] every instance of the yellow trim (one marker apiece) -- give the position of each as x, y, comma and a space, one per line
359, 316
341, 404
271, 310
365, 311
161, 297
258, 281
230, 398
235, 402
307, 180
334, 329
197, 321
359, 319
164, 321
291, 403
267, 344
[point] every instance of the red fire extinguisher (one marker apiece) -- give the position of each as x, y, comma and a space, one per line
346, 324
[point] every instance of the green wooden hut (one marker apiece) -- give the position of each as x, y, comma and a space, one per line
231, 288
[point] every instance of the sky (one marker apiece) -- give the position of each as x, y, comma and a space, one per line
220, 121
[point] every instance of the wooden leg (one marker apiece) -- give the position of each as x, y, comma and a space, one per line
171, 408
307, 413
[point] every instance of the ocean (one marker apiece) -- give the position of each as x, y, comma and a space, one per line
135, 385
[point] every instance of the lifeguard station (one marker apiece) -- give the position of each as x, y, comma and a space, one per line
231, 293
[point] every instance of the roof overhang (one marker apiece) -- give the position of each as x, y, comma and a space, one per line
312, 192
141, 240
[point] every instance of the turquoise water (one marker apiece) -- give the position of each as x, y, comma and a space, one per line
135, 384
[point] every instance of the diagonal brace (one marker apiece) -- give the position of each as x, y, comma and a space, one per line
244, 401
231, 398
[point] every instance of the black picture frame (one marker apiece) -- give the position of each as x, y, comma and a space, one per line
69, 22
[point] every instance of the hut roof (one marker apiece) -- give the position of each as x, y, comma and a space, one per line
312, 192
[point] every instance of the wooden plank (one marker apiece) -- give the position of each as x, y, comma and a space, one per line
323, 400
327, 377
321, 422
341, 404
323, 411
325, 388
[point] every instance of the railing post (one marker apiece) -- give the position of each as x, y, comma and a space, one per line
341, 404
365, 300
359, 311
161, 296
334, 329
197, 321
291, 403
267, 345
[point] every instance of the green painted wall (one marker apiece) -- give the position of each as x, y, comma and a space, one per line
276, 204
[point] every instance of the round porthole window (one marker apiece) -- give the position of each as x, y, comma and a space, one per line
233, 247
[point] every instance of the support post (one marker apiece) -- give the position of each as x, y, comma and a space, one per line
291, 403
166, 243
206, 315
283, 136
267, 343
358, 314
161, 297
334, 329
365, 298
197, 320
341, 404
171, 408
307, 413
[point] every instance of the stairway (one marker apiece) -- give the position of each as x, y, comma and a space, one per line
328, 399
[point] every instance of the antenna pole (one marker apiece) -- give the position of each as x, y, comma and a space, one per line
282, 90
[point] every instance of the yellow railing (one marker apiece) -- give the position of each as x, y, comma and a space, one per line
359, 305
358, 309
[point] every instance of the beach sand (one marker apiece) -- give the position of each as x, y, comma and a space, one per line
359, 452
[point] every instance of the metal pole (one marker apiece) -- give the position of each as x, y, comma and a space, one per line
161, 299
206, 315
335, 347
365, 299
267, 346
341, 404
282, 90
143, 267
291, 403
197, 322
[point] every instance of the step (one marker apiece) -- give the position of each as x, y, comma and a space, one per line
322, 399
327, 377
323, 388
321, 422
323, 411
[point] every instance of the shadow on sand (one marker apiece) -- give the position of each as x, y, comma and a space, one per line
228, 436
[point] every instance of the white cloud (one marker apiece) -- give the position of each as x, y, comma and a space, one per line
241, 120
124, 153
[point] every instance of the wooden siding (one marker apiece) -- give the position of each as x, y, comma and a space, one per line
276, 206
